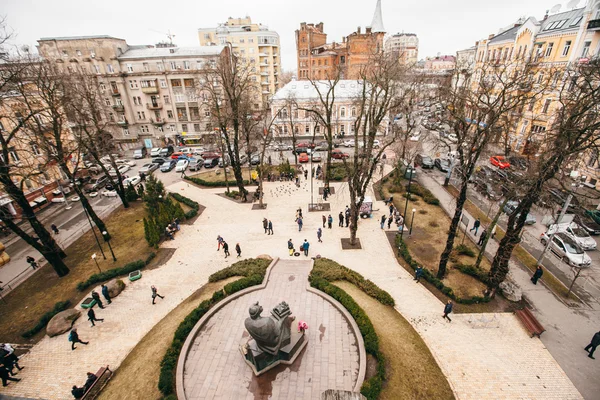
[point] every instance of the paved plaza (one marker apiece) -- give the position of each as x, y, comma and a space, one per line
482, 356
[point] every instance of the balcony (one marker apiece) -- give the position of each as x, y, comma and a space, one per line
154, 106
264, 73
594, 25
123, 122
265, 83
118, 107
150, 90
115, 92
157, 121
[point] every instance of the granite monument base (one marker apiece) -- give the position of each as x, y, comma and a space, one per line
261, 361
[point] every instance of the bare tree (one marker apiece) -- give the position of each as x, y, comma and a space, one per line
289, 113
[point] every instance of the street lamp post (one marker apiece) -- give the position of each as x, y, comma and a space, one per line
94, 232
107, 240
96, 261
407, 198
412, 221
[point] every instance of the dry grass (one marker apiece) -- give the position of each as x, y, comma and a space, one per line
137, 377
38, 294
412, 372
217, 174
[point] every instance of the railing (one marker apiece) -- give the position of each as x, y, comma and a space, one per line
118, 107
123, 122
115, 92
594, 24
150, 90
153, 106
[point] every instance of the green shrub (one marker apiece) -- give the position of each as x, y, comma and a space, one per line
130, 193
202, 182
246, 268
471, 270
150, 257
195, 207
232, 194
243, 283
110, 274
464, 250
58, 307
423, 193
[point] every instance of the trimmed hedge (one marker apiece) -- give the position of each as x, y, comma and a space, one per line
188, 202
58, 307
253, 271
475, 272
464, 250
431, 278
424, 193
113, 273
202, 182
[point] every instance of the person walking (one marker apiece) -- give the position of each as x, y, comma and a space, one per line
329, 221
300, 223
291, 247
32, 262
168, 233
5, 377
347, 216
447, 310
299, 212
319, 233
324, 220
382, 221
106, 293
537, 274
418, 273
341, 217
176, 221
391, 209
220, 242
96, 297
305, 247
74, 338
226, 249
54, 229
238, 250
270, 228
266, 225
482, 237
475, 226
305, 174
155, 293
390, 220
92, 316
10, 359
590, 348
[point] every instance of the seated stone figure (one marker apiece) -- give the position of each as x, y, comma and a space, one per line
270, 333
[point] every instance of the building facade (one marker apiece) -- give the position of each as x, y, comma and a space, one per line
440, 63
254, 44
404, 47
153, 91
318, 59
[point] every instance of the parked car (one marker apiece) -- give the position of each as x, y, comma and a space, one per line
303, 158
587, 223
594, 214
518, 163
133, 180
316, 157
160, 160
559, 197
577, 233
282, 147
155, 152
487, 189
182, 165
322, 146
339, 155
197, 151
300, 150
95, 184
349, 143
224, 161
178, 155
499, 161
254, 159
443, 164
122, 169
416, 137
243, 159
140, 153
210, 155
195, 164
424, 161
149, 168
169, 165
567, 250
510, 208
211, 162
307, 145
166, 151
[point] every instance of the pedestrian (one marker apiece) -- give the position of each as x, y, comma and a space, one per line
155, 293
142, 177
270, 160
475, 226
176, 222
5, 377
319, 233
74, 338
305, 174
382, 221
92, 316
54, 229
220, 242
312, 172
482, 237
305, 247
77, 392
391, 209
106, 294
96, 297
168, 233
266, 224
590, 348
329, 221
91, 378
341, 217
537, 274
238, 250
418, 273
447, 310
270, 228
32, 262
494, 231
226, 249
325, 193
324, 220
300, 223
10, 359
300, 212
347, 214
291, 247
390, 220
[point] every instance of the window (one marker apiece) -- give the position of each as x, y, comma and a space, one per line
549, 49
65, 54
78, 52
186, 65
207, 36
172, 128
531, 105
28, 184
135, 100
188, 83
196, 127
566, 48
576, 21
141, 115
182, 114
560, 24
125, 132
538, 129
353, 111
176, 82
546, 106
208, 127
586, 48
173, 65
129, 68
251, 40
199, 64
184, 127
13, 154
97, 69
343, 112
35, 149
146, 67
194, 114
109, 68
170, 114
540, 77
144, 128
163, 83
241, 40
524, 126
342, 59
207, 113
107, 102
179, 97
307, 129
159, 66
133, 84
167, 99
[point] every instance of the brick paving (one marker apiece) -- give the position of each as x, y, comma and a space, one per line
214, 367
480, 360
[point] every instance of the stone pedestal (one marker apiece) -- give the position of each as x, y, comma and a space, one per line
261, 362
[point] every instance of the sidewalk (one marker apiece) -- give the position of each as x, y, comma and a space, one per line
567, 330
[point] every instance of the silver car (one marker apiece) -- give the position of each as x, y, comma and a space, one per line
567, 250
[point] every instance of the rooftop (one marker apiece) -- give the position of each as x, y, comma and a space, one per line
509, 34
306, 90
78, 38
153, 52
564, 21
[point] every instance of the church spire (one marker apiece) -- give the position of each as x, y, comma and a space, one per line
377, 24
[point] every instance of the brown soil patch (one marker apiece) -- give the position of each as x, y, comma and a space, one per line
412, 372
346, 245
216, 174
137, 377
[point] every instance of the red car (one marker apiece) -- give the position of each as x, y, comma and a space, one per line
339, 155
303, 158
499, 162
309, 145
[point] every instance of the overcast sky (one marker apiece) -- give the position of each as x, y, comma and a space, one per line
443, 26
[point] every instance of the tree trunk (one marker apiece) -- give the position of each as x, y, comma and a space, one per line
489, 235
460, 201
327, 175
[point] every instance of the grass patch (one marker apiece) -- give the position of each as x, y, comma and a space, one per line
190, 207
58, 307
464, 250
28, 302
215, 177
338, 172
113, 273
411, 370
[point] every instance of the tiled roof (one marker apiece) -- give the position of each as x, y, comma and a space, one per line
79, 37
165, 52
561, 22
509, 34
304, 90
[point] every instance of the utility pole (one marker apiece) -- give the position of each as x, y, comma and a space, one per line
560, 217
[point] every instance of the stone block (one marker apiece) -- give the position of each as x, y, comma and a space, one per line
62, 322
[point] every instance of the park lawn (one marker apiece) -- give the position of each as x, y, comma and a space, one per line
216, 174
137, 377
411, 370
24, 306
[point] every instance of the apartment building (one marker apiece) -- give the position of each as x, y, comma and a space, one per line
153, 91
254, 44
404, 47
318, 59
440, 63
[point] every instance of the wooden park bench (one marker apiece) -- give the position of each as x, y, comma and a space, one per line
103, 376
532, 325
